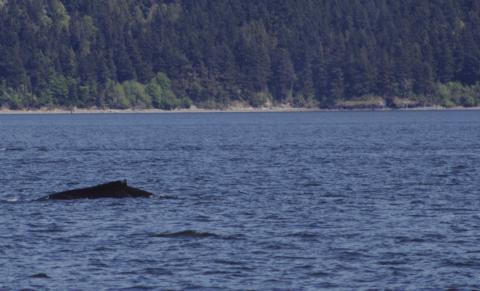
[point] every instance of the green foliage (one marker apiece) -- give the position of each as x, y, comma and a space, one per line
120, 98
157, 93
259, 99
58, 87
456, 94
137, 95
59, 14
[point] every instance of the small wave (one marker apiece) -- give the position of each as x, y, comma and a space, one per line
103, 249
216, 272
188, 148
405, 239
42, 149
237, 159
392, 263
131, 149
460, 167
312, 184
305, 235
158, 271
461, 263
185, 234
40, 276
97, 263
320, 274
11, 199
103, 149
165, 197
139, 287
48, 230
229, 262
15, 149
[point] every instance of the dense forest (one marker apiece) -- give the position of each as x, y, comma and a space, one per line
214, 53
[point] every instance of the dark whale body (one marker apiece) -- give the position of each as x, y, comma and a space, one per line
116, 189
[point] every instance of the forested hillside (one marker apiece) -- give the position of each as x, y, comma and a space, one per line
211, 53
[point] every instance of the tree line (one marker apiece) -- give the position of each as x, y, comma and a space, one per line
211, 53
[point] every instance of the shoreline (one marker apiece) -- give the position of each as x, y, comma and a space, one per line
276, 109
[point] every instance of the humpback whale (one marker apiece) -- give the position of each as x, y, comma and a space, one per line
115, 189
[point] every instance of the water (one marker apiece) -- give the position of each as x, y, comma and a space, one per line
336, 200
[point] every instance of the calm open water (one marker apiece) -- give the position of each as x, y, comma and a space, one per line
335, 200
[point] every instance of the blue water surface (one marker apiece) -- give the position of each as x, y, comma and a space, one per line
334, 200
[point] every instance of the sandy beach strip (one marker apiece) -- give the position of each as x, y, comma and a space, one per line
230, 109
